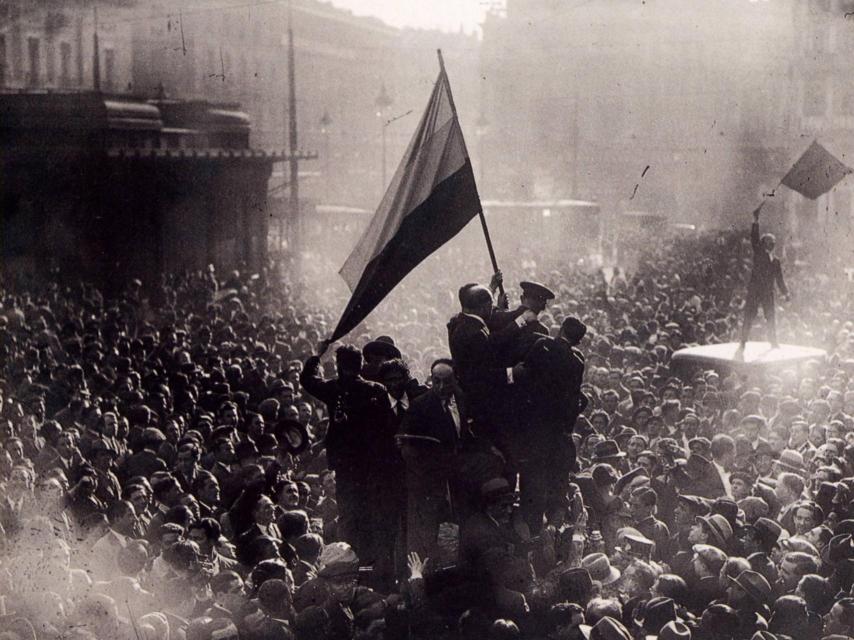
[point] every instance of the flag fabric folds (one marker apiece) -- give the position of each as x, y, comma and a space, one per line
816, 172
431, 197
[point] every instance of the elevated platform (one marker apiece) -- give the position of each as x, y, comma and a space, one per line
755, 355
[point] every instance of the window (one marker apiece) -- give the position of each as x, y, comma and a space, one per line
64, 64
109, 69
34, 51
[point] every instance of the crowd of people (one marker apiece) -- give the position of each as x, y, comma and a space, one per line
193, 460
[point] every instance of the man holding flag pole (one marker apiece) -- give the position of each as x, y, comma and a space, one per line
430, 198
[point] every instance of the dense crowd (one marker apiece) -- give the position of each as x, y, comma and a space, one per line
180, 462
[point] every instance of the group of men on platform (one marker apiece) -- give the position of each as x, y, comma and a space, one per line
408, 459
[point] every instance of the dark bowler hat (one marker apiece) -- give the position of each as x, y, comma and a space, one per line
381, 348
754, 585
536, 290
606, 450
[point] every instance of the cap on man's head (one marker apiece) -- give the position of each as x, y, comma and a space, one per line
536, 290
713, 557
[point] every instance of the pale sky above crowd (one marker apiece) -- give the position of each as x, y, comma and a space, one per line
447, 15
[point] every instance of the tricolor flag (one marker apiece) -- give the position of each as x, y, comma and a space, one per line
432, 196
816, 172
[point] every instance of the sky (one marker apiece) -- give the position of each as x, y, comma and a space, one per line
446, 15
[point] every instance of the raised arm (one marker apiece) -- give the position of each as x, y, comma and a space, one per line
312, 381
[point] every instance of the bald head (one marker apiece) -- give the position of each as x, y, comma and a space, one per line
443, 378
476, 300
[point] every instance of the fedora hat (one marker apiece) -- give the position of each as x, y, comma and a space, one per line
606, 629
754, 585
606, 450
791, 461
839, 549
655, 613
719, 529
768, 531
674, 630
599, 567
575, 585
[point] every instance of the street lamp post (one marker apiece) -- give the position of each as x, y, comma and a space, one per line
325, 124
382, 103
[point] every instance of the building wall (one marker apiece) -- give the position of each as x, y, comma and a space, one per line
48, 46
823, 101
208, 50
696, 90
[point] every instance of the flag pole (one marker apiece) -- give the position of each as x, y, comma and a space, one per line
480, 208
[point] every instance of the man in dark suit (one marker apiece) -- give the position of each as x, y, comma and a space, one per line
356, 438
550, 378
390, 475
476, 354
431, 437
760, 291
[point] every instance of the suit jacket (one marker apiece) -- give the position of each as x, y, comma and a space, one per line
552, 382
766, 269
358, 417
476, 353
427, 426
515, 349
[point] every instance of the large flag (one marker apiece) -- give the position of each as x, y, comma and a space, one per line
432, 196
816, 172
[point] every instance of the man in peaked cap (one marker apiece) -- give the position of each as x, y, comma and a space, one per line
534, 298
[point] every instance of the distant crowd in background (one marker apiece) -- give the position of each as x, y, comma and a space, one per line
179, 461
